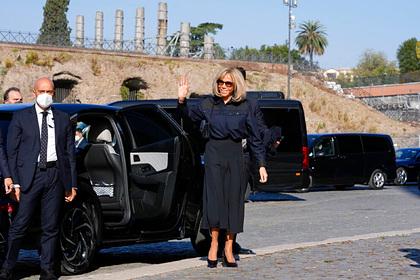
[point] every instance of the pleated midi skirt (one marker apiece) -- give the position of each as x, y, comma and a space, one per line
224, 185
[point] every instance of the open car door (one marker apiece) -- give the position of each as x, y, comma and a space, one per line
154, 146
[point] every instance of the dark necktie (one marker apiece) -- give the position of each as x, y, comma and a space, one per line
44, 141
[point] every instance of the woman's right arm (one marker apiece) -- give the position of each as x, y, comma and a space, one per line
195, 113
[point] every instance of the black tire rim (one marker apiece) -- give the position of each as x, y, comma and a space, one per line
77, 238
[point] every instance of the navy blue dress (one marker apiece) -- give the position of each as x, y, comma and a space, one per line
225, 176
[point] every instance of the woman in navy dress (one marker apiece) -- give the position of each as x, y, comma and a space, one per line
231, 118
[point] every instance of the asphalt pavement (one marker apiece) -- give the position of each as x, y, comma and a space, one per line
328, 234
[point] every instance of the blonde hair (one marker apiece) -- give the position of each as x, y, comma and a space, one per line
239, 90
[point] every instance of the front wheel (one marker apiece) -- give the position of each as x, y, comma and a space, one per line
78, 238
377, 179
401, 178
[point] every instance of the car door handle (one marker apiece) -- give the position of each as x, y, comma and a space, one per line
146, 168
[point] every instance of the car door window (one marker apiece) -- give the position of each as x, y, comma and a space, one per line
148, 126
376, 144
349, 144
325, 147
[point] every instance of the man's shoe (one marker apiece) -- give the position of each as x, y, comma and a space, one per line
6, 274
47, 275
245, 251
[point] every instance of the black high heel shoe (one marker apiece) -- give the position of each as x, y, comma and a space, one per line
211, 263
228, 264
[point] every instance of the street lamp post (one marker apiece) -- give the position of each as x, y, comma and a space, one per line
291, 4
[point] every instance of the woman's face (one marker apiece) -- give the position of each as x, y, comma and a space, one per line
225, 86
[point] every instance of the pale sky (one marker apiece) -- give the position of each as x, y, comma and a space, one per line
352, 26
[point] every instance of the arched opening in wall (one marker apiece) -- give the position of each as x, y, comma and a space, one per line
132, 89
64, 82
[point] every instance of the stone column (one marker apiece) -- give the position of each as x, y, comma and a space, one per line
162, 28
139, 36
184, 42
119, 30
208, 47
80, 32
99, 30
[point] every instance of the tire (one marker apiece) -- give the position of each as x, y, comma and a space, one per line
78, 238
201, 240
377, 180
305, 189
401, 178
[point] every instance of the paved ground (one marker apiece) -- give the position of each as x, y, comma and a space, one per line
377, 258
275, 226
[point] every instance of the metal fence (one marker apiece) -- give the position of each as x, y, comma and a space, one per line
149, 47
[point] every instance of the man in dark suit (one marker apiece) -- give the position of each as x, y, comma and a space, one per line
40, 148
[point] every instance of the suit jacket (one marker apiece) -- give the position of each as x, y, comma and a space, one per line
4, 168
23, 146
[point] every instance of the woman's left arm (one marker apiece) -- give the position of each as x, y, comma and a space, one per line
256, 144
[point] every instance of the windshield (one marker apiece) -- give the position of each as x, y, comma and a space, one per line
406, 154
311, 139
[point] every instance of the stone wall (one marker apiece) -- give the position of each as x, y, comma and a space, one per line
98, 75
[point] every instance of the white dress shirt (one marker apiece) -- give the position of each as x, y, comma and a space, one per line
51, 152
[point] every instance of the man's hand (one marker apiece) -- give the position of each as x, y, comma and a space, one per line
263, 175
70, 195
15, 195
8, 185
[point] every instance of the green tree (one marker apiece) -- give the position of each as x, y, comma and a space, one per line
54, 29
374, 68
408, 62
198, 32
311, 39
273, 54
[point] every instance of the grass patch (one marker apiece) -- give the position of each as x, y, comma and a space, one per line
31, 58
63, 57
95, 67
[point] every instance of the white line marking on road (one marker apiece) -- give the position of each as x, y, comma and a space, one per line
155, 269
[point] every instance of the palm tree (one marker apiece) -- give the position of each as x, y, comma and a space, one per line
311, 39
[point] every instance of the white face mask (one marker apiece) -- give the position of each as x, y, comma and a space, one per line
76, 138
44, 100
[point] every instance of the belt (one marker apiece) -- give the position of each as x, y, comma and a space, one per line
49, 164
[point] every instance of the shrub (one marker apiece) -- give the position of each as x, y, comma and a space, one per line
63, 58
124, 92
8, 63
31, 58
96, 68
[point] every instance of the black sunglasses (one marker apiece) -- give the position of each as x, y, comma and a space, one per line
227, 83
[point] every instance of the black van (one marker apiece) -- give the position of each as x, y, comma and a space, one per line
287, 165
345, 159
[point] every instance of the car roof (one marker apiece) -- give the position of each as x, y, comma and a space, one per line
173, 102
347, 133
408, 149
66, 107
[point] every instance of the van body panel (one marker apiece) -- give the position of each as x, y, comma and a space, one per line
285, 164
350, 158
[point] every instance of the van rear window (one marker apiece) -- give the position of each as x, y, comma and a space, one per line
291, 127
